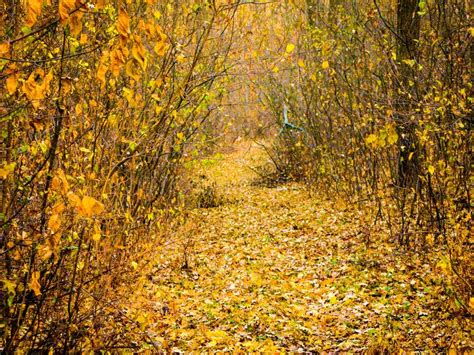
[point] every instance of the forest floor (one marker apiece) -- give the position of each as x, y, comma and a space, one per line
273, 269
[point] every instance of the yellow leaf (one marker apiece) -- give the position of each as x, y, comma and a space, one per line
90, 207
431, 169
117, 60
74, 200
58, 208
36, 86
4, 49
371, 139
325, 65
78, 109
34, 283
392, 137
217, 336
75, 23
33, 10
59, 182
160, 48
97, 233
275, 69
471, 302
128, 94
410, 62
301, 63
139, 52
65, 8
45, 252
7, 170
290, 47
132, 69
54, 223
134, 265
83, 39
123, 23
9, 286
102, 70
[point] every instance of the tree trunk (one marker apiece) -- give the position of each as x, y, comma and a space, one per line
408, 34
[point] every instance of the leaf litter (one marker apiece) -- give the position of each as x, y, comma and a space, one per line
276, 269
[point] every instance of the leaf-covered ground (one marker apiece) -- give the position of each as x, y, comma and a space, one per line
277, 269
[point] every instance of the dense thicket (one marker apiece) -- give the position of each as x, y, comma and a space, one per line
383, 91
100, 100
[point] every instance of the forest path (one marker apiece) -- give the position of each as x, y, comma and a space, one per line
274, 268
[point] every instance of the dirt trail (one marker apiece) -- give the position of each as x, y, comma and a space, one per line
273, 268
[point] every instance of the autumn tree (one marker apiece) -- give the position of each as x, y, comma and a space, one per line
408, 35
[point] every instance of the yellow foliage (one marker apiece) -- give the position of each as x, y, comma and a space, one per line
54, 223
89, 207
65, 9
123, 23
33, 11
139, 52
36, 87
4, 49
290, 47
102, 69
7, 170
34, 284
118, 58
12, 82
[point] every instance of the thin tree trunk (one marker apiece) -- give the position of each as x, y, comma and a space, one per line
408, 34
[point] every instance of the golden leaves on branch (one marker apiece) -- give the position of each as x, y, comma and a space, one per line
32, 10
123, 24
161, 45
36, 87
139, 52
69, 14
90, 207
65, 9
87, 206
4, 49
34, 284
386, 136
54, 223
12, 80
6, 170
118, 58
102, 69
59, 182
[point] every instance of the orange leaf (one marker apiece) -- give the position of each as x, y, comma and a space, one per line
33, 10
90, 207
12, 83
65, 8
123, 23
75, 23
102, 69
54, 223
139, 52
4, 49
118, 59
132, 69
34, 283
37, 86
74, 200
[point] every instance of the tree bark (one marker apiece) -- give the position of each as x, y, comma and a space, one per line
408, 34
